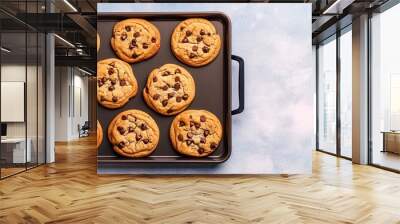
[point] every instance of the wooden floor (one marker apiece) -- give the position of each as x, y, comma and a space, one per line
70, 191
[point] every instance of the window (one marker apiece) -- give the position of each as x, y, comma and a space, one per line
385, 89
346, 92
327, 95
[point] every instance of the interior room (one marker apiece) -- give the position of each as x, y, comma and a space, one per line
104, 122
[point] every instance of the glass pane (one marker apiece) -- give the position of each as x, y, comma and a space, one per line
327, 96
13, 84
346, 93
386, 89
31, 98
41, 98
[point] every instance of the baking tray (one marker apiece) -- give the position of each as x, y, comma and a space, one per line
213, 87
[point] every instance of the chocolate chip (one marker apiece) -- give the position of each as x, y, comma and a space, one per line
182, 27
170, 110
202, 32
165, 88
205, 49
180, 137
113, 81
136, 34
153, 39
124, 36
189, 135
133, 44
202, 118
192, 55
121, 145
164, 103
185, 96
114, 99
206, 133
143, 127
122, 82
200, 150
203, 140
166, 73
177, 70
189, 142
110, 71
111, 88
191, 124
156, 96
124, 117
104, 79
188, 32
155, 79
128, 28
178, 99
177, 86
199, 38
171, 94
213, 145
100, 83
177, 79
208, 34
121, 130
185, 40
197, 125
145, 141
181, 123
134, 55
194, 48
131, 129
145, 46
138, 137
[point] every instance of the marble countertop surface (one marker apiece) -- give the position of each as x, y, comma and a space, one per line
274, 133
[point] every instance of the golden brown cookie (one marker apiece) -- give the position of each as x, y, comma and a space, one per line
116, 83
99, 134
98, 42
195, 42
170, 89
133, 133
135, 40
196, 133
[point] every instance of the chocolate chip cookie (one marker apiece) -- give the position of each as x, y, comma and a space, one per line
169, 90
116, 83
99, 134
196, 133
195, 42
133, 133
135, 40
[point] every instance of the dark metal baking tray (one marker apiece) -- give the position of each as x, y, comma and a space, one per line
213, 87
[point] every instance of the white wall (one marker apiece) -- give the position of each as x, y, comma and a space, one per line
69, 82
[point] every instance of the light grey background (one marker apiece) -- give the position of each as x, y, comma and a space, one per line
274, 134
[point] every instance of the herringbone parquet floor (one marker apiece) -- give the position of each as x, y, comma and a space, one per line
70, 191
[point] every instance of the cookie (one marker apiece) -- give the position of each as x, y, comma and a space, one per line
195, 133
99, 134
98, 42
135, 40
116, 83
170, 89
133, 133
195, 42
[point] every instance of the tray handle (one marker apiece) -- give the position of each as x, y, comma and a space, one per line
240, 60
